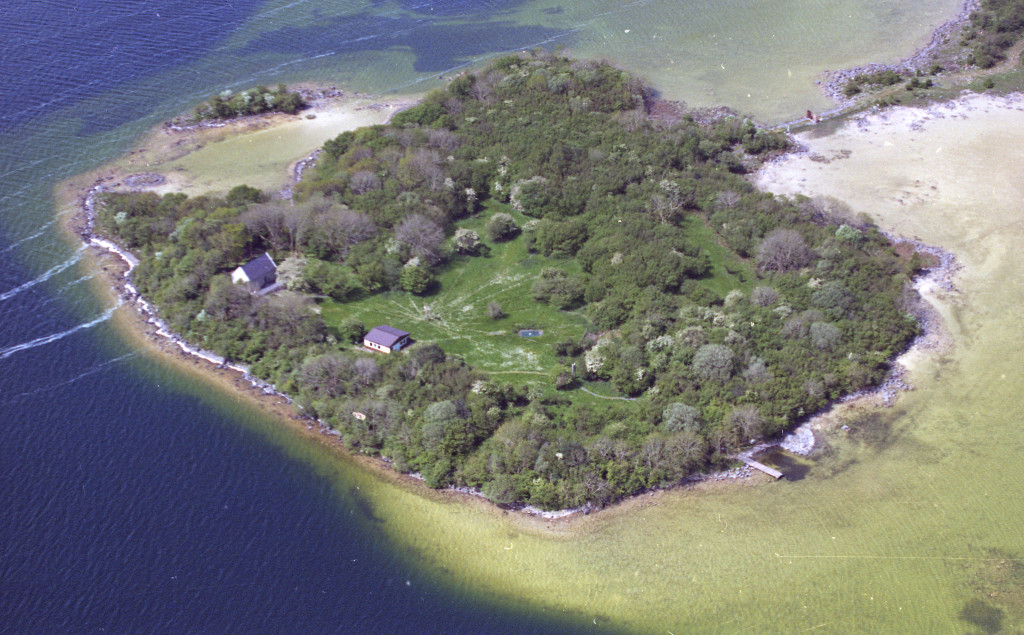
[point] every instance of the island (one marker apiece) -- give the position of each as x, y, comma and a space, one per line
580, 293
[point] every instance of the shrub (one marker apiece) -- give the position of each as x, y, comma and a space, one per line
734, 297
243, 195
757, 372
833, 297
501, 227
764, 296
467, 241
564, 381
849, 234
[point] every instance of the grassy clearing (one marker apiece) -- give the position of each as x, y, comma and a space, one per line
727, 271
454, 313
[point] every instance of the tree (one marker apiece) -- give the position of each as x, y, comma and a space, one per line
746, 423
557, 289
439, 420
326, 374
501, 226
494, 310
783, 250
342, 228
364, 181
825, 335
242, 195
330, 279
366, 369
415, 277
352, 330
423, 237
502, 489
713, 362
680, 417
267, 222
561, 239
226, 301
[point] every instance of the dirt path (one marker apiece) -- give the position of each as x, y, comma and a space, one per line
590, 392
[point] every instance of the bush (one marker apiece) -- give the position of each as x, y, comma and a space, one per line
764, 296
501, 227
467, 241
833, 298
557, 289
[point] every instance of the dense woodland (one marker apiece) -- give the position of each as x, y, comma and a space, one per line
727, 313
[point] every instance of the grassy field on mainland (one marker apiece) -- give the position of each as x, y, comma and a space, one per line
453, 314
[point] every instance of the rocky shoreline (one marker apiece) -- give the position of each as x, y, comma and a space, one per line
834, 81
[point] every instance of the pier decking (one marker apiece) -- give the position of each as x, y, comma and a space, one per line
761, 466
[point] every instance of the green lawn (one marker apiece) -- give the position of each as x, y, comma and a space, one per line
455, 316
727, 271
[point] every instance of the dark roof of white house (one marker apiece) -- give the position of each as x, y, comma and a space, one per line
385, 335
259, 267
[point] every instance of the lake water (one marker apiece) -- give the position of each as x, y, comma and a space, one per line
138, 499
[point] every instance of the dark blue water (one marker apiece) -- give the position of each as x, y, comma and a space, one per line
134, 498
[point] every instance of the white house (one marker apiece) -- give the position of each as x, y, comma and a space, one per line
385, 339
256, 274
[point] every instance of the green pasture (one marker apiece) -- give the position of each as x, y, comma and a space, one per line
728, 272
453, 314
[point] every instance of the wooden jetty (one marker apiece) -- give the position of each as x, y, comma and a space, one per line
761, 466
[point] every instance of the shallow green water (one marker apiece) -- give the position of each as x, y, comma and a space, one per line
760, 58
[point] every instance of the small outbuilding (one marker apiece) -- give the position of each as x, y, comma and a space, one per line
257, 274
385, 339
